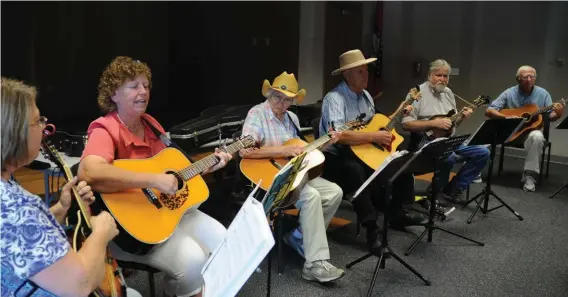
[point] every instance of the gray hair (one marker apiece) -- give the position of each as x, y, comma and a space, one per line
525, 68
18, 99
440, 63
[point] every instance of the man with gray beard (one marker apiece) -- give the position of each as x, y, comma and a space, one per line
438, 99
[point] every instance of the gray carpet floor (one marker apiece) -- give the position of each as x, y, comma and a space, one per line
520, 258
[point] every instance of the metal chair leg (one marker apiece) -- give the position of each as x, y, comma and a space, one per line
152, 284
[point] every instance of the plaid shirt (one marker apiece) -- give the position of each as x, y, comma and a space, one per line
266, 128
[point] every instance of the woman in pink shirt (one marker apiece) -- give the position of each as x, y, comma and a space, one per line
124, 93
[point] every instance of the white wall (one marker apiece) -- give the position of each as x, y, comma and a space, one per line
311, 57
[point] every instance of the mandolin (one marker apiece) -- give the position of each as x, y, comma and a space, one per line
266, 169
113, 284
454, 118
374, 154
532, 115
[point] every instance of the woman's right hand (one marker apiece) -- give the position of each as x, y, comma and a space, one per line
104, 223
292, 150
166, 183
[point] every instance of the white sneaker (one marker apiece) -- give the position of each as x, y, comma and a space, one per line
477, 180
321, 271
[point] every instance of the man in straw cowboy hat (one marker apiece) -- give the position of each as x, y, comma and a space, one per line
345, 103
271, 124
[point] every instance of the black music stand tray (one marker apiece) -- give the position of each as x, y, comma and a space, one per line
390, 172
429, 159
562, 125
493, 132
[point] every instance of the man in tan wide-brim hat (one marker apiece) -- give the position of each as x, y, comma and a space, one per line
271, 124
343, 104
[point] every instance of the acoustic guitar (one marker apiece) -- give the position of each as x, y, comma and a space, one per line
454, 117
146, 217
113, 284
374, 154
266, 169
532, 115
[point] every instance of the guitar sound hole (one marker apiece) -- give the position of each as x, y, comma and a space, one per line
179, 179
526, 116
176, 200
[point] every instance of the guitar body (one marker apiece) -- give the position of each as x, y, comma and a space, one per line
139, 219
266, 169
373, 154
437, 133
532, 123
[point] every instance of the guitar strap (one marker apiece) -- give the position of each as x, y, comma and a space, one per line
296, 127
168, 142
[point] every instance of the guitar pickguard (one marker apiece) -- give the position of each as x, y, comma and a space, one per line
176, 200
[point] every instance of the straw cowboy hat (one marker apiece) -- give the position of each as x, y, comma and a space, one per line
351, 59
286, 84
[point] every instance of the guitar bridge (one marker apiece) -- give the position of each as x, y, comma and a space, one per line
152, 197
379, 146
275, 164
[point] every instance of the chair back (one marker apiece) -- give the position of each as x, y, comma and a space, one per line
315, 126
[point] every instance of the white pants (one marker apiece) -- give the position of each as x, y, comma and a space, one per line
318, 202
533, 149
132, 293
183, 255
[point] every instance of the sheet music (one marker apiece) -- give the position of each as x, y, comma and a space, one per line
386, 162
246, 244
280, 187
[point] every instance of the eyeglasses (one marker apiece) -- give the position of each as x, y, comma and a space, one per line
278, 99
41, 121
527, 77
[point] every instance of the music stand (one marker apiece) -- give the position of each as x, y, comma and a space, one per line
429, 159
562, 125
390, 172
493, 132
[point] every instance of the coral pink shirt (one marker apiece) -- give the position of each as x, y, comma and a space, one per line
109, 138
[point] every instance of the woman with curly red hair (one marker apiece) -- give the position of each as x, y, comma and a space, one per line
124, 133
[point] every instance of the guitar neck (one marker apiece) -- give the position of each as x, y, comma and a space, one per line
316, 144
543, 110
55, 157
399, 114
205, 163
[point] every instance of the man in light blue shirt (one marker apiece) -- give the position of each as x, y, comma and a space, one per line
343, 104
522, 94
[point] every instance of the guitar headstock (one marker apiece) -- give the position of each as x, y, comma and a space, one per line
247, 141
51, 153
415, 93
482, 100
352, 125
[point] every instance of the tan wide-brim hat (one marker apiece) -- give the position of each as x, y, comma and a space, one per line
351, 59
286, 84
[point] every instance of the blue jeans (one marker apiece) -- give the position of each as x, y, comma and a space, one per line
475, 158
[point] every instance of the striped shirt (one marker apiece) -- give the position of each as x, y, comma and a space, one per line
514, 97
342, 105
266, 128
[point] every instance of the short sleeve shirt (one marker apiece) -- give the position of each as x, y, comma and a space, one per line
109, 138
32, 239
267, 129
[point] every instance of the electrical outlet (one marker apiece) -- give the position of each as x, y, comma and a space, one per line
455, 71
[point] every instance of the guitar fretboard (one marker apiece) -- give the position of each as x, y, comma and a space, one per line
211, 160
398, 116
